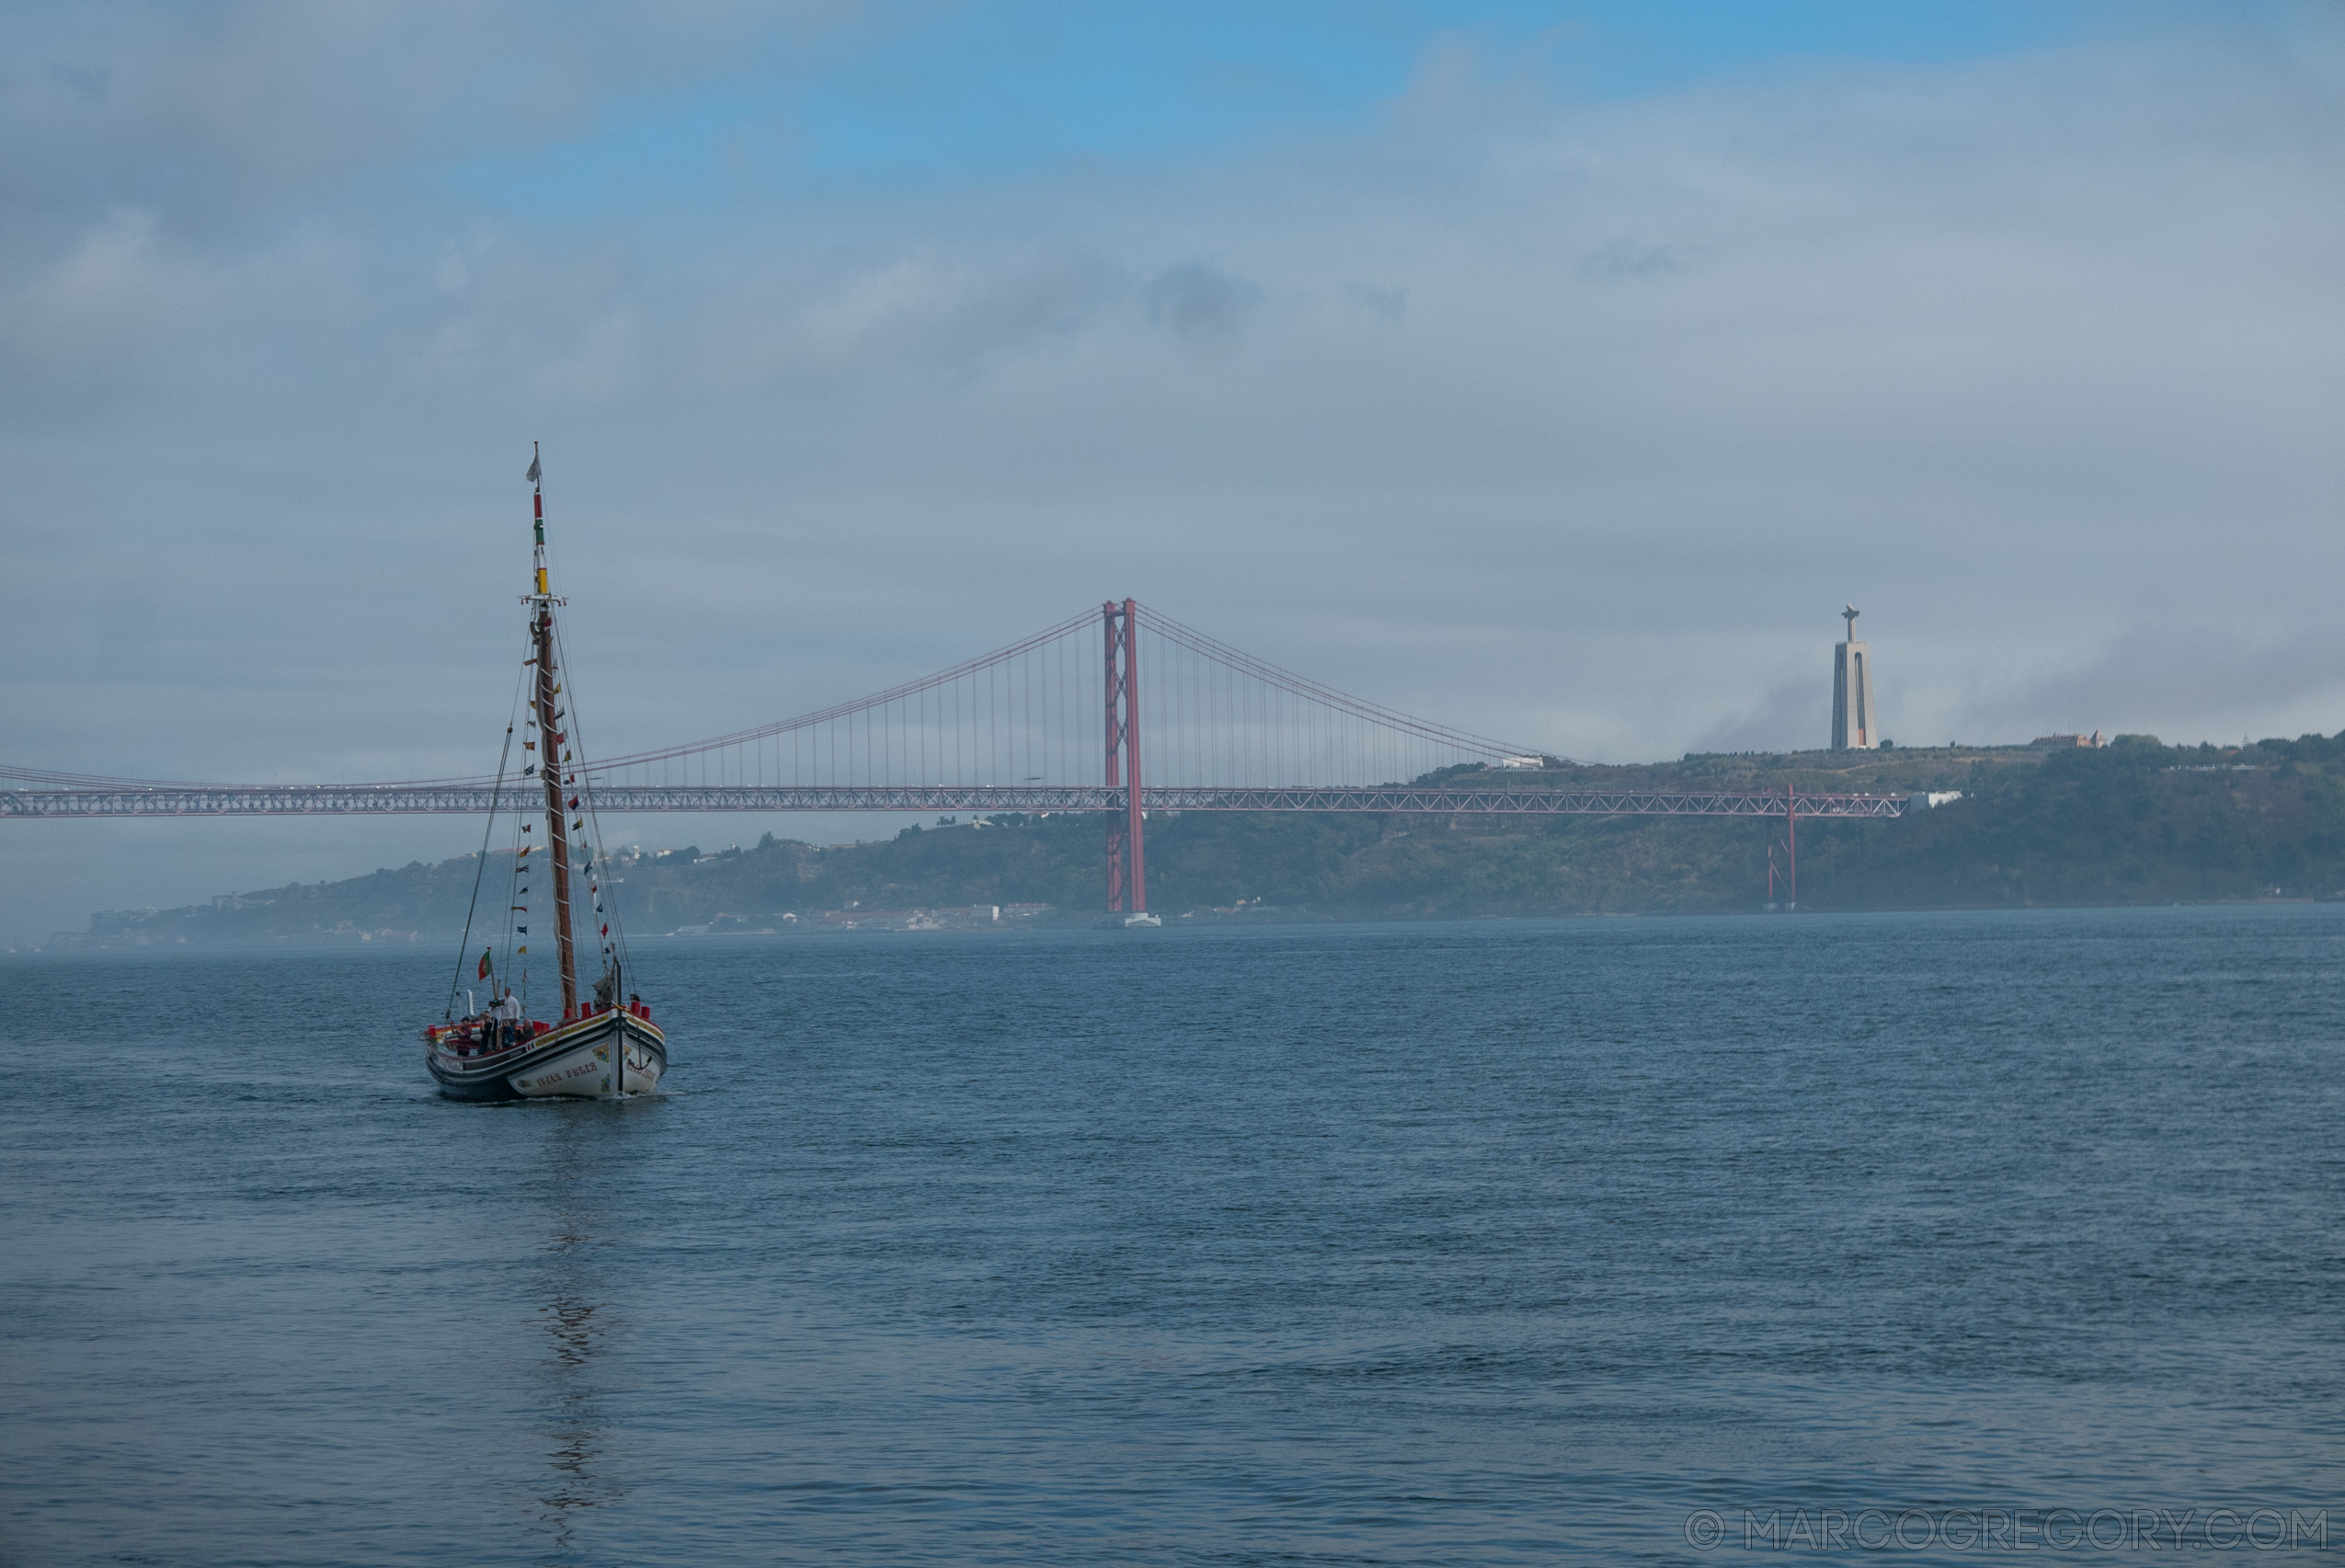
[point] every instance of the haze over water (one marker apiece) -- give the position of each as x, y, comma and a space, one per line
1505, 1243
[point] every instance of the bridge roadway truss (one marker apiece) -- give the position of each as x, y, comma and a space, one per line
328, 800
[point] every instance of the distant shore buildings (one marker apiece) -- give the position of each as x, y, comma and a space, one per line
1856, 726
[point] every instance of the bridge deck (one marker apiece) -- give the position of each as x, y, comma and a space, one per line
394, 799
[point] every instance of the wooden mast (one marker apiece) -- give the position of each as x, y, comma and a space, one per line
549, 731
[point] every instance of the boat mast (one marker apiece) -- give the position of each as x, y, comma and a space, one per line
549, 732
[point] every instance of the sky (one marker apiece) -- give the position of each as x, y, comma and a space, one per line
1556, 372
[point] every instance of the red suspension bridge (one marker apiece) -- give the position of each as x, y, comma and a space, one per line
1052, 723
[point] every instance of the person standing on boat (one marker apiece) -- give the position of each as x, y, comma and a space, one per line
508, 1013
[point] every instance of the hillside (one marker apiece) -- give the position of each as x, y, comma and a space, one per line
2135, 822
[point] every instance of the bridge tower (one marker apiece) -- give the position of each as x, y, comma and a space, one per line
1127, 860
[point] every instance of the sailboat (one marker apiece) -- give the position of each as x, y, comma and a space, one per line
605, 1044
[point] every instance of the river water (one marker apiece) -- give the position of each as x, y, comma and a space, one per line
1572, 1242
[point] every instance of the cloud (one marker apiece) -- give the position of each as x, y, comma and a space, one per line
1627, 258
86, 305
226, 114
89, 81
1199, 303
1784, 718
2187, 683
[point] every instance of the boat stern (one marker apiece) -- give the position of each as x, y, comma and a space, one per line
601, 1055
